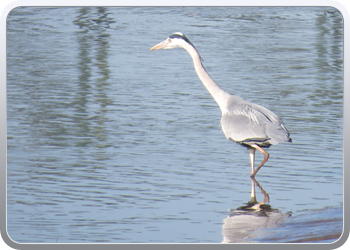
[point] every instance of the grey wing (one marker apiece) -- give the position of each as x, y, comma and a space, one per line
248, 122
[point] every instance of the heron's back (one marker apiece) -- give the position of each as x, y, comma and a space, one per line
248, 123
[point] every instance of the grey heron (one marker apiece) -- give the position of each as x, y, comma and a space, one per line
249, 124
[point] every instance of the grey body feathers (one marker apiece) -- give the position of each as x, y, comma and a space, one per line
248, 123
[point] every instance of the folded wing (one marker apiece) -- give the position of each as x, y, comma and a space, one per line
249, 123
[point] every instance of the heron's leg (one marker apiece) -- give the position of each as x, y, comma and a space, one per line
266, 195
266, 157
252, 159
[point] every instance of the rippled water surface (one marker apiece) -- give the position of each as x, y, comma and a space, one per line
111, 142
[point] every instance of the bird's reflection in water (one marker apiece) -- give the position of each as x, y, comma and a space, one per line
242, 225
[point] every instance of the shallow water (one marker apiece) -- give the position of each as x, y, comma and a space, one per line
317, 226
111, 142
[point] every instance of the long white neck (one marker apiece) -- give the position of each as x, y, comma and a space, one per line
219, 95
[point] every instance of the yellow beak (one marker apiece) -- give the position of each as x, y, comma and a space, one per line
160, 45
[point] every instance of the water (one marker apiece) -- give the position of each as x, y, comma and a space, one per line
111, 142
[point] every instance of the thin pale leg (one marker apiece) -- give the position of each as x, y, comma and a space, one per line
252, 159
266, 195
266, 157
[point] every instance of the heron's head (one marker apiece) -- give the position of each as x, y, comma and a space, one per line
175, 40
